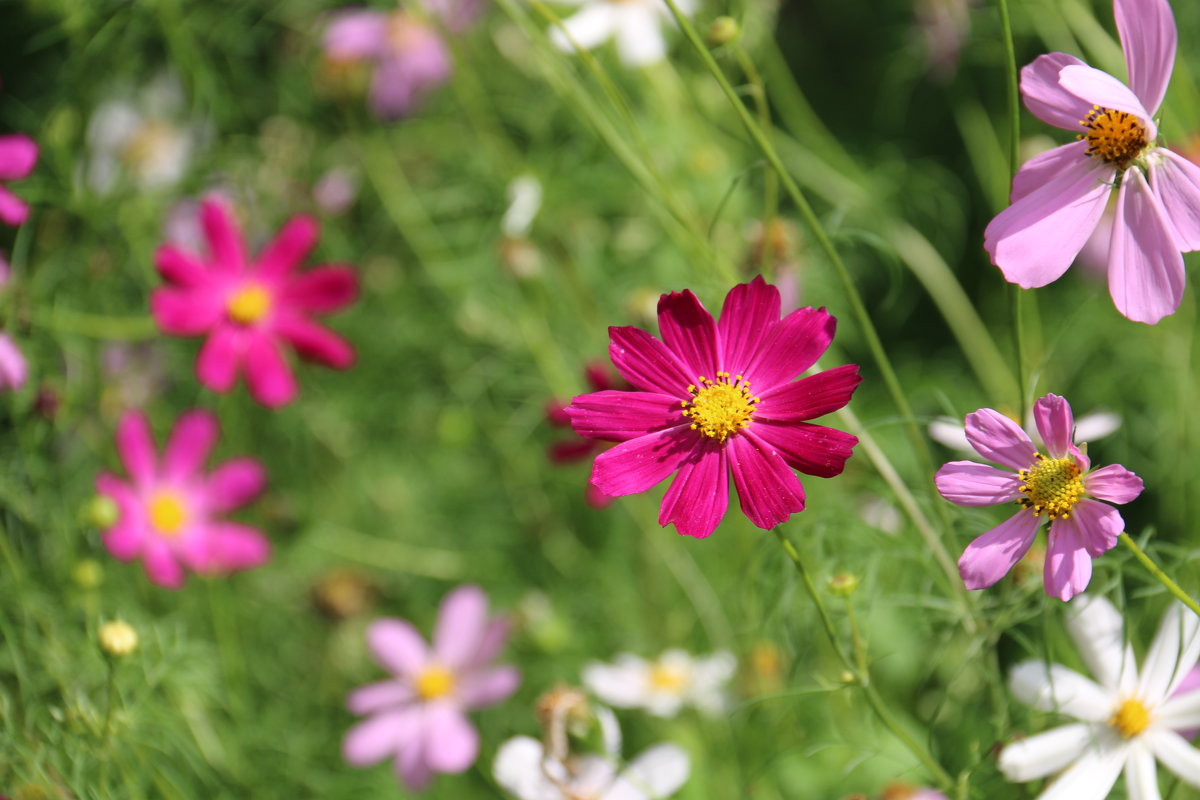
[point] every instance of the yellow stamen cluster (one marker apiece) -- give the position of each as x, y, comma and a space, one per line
1118, 137
721, 407
1131, 718
249, 304
434, 682
167, 513
1052, 486
666, 678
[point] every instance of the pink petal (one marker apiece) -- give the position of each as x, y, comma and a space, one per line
18, 155
13, 210
793, 345
223, 235
379, 736
451, 742
375, 697
135, 444
689, 330
1055, 423
221, 357
647, 363
124, 540
462, 620
812, 449
1097, 525
186, 312
493, 640
1148, 37
809, 397
619, 416
767, 488
410, 765
225, 547
990, 557
1145, 268
1113, 483
699, 495
1043, 168
234, 484
14, 369
192, 440
638, 464
997, 438
322, 289
289, 247
966, 483
1035, 239
1098, 88
180, 267
397, 646
487, 688
356, 36
751, 310
1175, 181
1068, 566
271, 380
315, 343
160, 563
1048, 101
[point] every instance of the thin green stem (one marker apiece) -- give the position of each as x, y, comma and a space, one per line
1159, 575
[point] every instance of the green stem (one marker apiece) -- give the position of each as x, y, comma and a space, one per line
771, 182
1159, 575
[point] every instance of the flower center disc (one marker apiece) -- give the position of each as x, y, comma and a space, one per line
249, 304
667, 679
1117, 137
1131, 718
434, 682
721, 407
167, 513
1052, 487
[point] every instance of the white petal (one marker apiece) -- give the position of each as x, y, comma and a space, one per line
518, 769
658, 772
639, 37
1179, 713
1141, 776
1099, 634
586, 29
951, 433
1172, 654
1046, 753
1096, 425
1053, 687
610, 731
1092, 776
622, 684
1175, 754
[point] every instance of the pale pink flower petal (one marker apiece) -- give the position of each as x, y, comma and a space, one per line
768, 490
451, 743
1148, 37
1045, 99
1101, 89
462, 620
1043, 168
190, 444
1098, 525
410, 765
989, 557
396, 645
997, 438
1145, 269
699, 495
488, 687
1055, 424
690, 332
1068, 567
377, 737
356, 36
379, 696
1113, 483
966, 483
1175, 181
14, 369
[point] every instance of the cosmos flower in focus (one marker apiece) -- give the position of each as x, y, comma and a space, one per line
635, 25
18, 155
171, 513
715, 398
665, 685
951, 433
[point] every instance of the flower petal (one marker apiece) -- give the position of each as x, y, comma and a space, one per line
160, 563
1145, 268
1113, 483
1068, 566
768, 490
18, 155
1148, 37
699, 495
1098, 631
1098, 88
315, 342
1053, 687
647, 363
1175, 181
1175, 754
1055, 424
966, 483
451, 742
462, 620
989, 557
410, 765
397, 646
793, 345
619, 416
180, 267
1046, 753
1098, 525
997, 438
124, 540
810, 397
1045, 167
621, 684
1172, 654
1141, 776
355, 35
1181, 711
234, 484
638, 464
185, 312
289, 248
585, 29
1096, 425
135, 444
381, 735
659, 771
322, 289
750, 311
1092, 775
690, 331
268, 374
1048, 101
812, 449
192, 440
489, 687
518, 770
224, 236
13, 210
220, 358
639, 36
225, 547
375, 697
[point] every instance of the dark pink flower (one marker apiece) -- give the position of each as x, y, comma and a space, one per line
171, 512
13, 369
1054, 487
251, 309
417, 717
718, 398
576, 447
18, 154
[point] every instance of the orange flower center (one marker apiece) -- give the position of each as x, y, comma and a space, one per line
1052, 486
1118, 137
248, 305
434, 682
167, 513
721, 407
1131, 718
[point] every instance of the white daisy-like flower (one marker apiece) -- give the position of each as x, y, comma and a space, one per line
665, 685
636, 25
1127, 720
951, 432
524, 769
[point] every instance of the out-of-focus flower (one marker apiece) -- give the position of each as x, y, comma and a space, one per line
517, 253
335, 191
118, 638
1057, 486
134, 374
578, 448
904, 791
665, 685
18, 155
13, 369
455, 15
251, 308
713, 399
408, 57
171, 512
635, 25
1059, 197
343, 593
1126, 719
943, 26
951, 433
417, 718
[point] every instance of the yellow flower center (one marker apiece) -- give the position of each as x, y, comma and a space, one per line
1131, 718
666, 678
434, 682
249, 304
721, 407
150, 145
1052, 486
167, 513
1118, 137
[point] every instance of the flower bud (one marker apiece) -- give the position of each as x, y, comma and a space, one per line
118, 638
843, 584
102, 511
723, 30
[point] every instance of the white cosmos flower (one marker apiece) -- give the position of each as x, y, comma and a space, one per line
950, 432
665, 685
1126, 720
636, 25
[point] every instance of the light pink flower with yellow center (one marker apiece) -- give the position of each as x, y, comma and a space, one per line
171, 514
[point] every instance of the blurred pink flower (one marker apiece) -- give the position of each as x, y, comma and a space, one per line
13, 369
335, 191
1058, 198
1057, 486
575, 447
170, 510
713, 399
250, 309
18, 154
416, 718
409, 57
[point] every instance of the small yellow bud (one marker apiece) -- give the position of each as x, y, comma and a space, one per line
88, 573
118, 638
723, 30
102, 512
843, 584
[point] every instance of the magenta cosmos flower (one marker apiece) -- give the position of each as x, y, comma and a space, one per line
171, 512
251, 309
18, 154
1059, 197
1058, 486
714, 398
417, 717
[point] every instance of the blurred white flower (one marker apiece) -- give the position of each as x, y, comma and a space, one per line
665, 685
636, 25
524, 201
950, 432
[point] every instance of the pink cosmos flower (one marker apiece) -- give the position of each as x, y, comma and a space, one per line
14, 371
18, 154
714, 398
416, 718
409, 57
171, 513
251, 309
1058, 198
1056, 486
